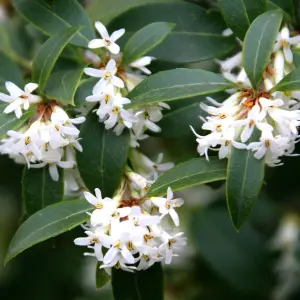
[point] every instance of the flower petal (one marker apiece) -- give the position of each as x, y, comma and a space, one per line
102, 30
96, 43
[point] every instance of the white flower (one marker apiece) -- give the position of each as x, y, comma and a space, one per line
285, 42
172, 243
46, 142
107, 41
19, 98
95, 240
102, 207
116, 113
107, 76
141, 64
270, 147
146, 167
232, 62
166, 206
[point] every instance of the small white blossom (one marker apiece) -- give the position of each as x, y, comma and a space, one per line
107, 41
141, 64
285, 42
19, 98
108, 76
166, 206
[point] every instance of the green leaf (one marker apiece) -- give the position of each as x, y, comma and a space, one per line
176, 122
63, 82
190, 173
259, 43
48, 54
11, 122
101, 276
288, 7
197, 35
49, 22
177, 84
239, 14
84, 90
73, 13
291, 82
47, 223
40, 190
296, 60
141, 285
106, 10
10, 71
102, 162
145, 40
245, 175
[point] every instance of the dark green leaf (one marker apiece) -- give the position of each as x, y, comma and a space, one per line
64, 81
177, 84
106, 10
101, 276
245, 175
291, 82
10, 71
288, 7
145, 40
40, 190
11, 122
141, 285
102, 162
48, 55
47, 223
190, 173
239, 14
84, 90
259, 43
197, 35
48, 21
74, 14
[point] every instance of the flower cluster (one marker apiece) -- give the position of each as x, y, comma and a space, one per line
131, 231
262, 121
115, 81
49, 140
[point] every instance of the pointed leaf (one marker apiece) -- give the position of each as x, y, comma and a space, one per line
239, 14
72, 12
145, 40
49, 22
102, 162
101, 276
177, 84
47, 223
48, 54
140, 285
64, 81
291, 82
40, 190
259, 43
245, 175
190, 173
